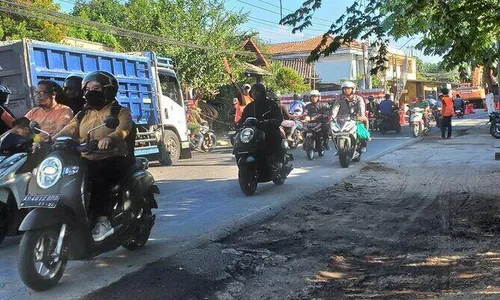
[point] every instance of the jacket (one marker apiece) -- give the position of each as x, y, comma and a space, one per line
448, 109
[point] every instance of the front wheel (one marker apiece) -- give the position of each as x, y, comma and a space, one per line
209, 142
344, 157
247, 178
279, 180
171, 149
398, 128
495, 130
37, 266
416, 130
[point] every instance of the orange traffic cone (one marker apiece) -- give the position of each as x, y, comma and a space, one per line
402, 117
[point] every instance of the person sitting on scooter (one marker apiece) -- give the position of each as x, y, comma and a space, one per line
72, 87
194, 121
349, 104
269, 115
298, 106
314, 109
459, 103
288, 121
111, 163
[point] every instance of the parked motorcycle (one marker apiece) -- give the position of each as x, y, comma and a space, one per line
417, 122
495, 124
459, 112
254, 163
14, 177
209, 139
59, 226
388, 123
345, 136
314, 135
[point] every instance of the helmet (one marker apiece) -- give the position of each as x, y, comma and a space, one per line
348, 84
4, 94
246, 85
73, 81
106, 79
315, 93
370, 98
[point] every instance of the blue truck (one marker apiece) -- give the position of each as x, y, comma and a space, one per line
148, 87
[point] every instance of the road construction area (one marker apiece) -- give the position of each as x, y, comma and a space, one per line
416, 217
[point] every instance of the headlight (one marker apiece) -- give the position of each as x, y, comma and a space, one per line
246, 135
49, 172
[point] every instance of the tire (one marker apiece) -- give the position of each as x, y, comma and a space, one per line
416, 130
382, 130
310, 154
247, 179
26, 264
398, 128
495, 130
209, 142
142, 230
279, 181
321, 152
295, 143
309, 147
344, 158
173, 149
4, 221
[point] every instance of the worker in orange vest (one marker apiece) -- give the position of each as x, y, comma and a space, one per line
447, 113
243, 99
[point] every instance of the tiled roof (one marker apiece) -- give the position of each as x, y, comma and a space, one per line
304, 46
307, 71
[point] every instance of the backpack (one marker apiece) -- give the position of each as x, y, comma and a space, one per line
115, 111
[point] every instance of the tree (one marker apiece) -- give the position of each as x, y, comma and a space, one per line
461, 31
14, 27
285, 80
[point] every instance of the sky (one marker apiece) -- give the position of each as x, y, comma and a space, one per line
264, 16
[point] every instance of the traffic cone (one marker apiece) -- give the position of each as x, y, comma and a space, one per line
402, 117
497, 106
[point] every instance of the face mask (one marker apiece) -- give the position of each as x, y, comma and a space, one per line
95, 98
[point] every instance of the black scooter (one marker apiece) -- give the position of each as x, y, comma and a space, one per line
387, 123
254, 163
60, 224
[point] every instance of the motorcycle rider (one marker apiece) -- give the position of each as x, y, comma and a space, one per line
297, 106
313, 109
6, 117
459, 103
420, 103
51, 115
72, 87
194, 121
268, 113
349, 104
110, 164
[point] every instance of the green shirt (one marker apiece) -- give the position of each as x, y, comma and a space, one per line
423, 105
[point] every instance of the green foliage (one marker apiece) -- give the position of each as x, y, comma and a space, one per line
285, 80
461, 31
14, 27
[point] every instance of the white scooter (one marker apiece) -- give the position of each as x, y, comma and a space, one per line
417, 122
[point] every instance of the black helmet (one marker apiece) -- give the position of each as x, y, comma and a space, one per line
370, 98
4, 94
106, 79
73, 81
259, 92
445, 91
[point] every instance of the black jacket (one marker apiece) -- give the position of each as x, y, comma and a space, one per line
264, 110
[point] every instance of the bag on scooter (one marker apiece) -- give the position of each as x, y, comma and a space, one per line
363, 133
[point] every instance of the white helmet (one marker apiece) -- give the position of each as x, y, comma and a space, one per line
315, 93
348, 84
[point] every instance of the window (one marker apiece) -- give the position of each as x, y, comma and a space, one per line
170, 88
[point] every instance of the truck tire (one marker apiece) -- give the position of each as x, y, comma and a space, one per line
172, 149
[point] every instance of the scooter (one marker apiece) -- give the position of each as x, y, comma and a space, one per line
417, 122
297, 136
345, 136
14, 177
314, 137
388, 123
209, 139
254, 163
459, 112
59, 225
495, 124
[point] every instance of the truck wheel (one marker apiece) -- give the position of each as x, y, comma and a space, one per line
173, 149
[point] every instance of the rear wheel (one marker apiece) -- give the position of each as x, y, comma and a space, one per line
279, 181
344, 157
142, 229
247, 178
209, 142
495, 130
37, 266
173, 149
4, 221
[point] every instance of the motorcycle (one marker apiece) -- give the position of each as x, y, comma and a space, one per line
209, 139
254, 164
495, 124
314, 137
417, 122
388, 123
59, 225
345, 136
15, 150
297, 136
459, 112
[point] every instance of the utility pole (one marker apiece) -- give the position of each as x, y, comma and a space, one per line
498, 66
365, 79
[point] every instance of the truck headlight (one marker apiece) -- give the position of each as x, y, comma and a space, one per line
246, 135
49, 172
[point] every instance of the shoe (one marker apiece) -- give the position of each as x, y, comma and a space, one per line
102, 230
448, 138
336, 154
443, 138
363, 149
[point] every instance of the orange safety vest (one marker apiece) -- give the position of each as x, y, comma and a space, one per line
448, 109
239, 108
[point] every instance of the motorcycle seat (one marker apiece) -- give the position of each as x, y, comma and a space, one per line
140, 163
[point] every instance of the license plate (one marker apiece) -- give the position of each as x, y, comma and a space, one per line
42, 201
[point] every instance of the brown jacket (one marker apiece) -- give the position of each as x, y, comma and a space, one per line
94, 118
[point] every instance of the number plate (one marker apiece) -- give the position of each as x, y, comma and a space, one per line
43, 201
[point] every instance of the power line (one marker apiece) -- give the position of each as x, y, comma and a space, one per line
57, 17
291, 10
265, 22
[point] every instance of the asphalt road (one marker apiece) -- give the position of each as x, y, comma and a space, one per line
201, 200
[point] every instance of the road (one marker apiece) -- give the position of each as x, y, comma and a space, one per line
200, 201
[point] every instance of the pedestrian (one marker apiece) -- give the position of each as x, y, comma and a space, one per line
447, 114
490, 101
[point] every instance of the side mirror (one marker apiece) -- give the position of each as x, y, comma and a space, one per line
35, 126
111, 122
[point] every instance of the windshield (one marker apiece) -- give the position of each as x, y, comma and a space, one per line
170, 88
